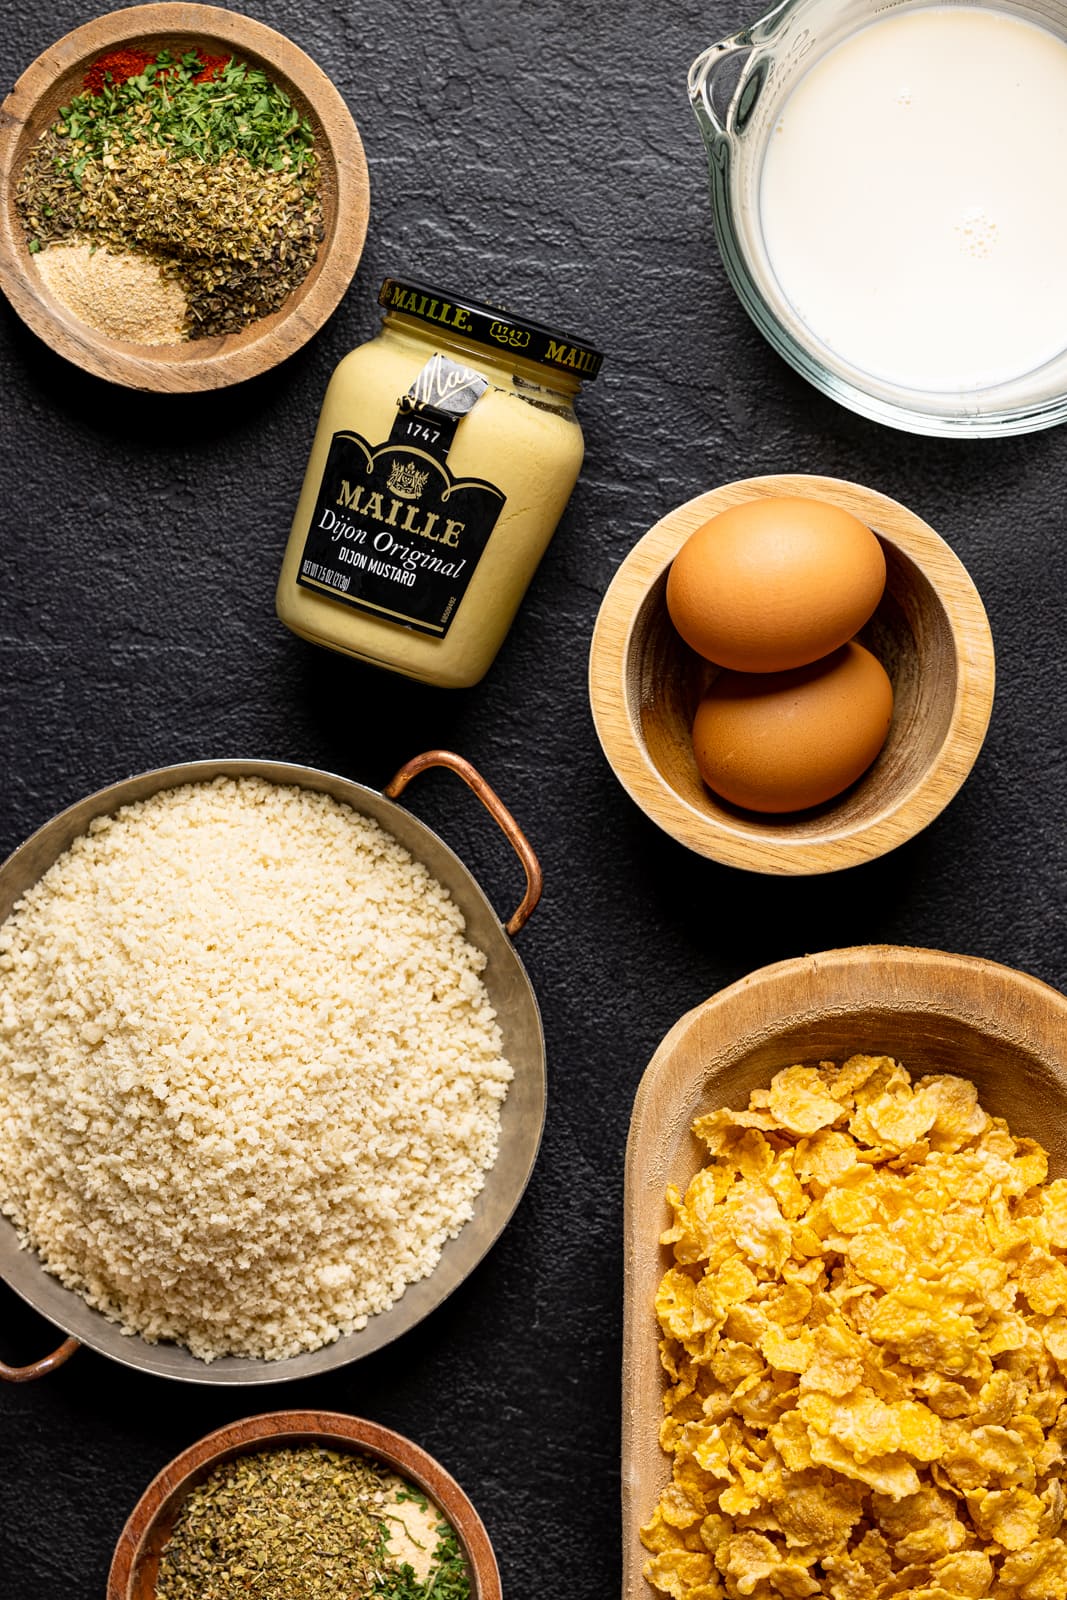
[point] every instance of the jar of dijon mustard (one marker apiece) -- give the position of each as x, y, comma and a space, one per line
445, 454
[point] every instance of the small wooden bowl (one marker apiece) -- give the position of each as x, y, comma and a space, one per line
930, 632
135, 1565
344, 185
933, 1012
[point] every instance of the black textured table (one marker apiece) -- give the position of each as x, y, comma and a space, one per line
544, 154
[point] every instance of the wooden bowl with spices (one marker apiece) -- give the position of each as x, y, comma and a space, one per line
184, 197
261, 1493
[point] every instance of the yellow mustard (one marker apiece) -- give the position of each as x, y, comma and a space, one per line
445, 454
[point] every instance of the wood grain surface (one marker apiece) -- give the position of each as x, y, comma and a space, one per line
933, 1012
930, 633
135, 1566
344, 186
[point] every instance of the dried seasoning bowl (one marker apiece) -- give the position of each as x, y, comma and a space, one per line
193, 177
310, 1524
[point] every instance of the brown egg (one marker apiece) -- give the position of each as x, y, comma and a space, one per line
773, 584
784, 741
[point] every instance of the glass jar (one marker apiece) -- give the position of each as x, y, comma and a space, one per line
445, 454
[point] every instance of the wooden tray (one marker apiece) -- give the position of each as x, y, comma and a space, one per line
934, 1012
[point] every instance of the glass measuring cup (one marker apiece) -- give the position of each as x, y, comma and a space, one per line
738, 88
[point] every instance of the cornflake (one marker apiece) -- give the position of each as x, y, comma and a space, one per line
865, 1332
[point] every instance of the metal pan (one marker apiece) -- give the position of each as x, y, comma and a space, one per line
510, 990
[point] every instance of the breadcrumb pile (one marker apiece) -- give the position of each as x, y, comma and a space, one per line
250, 1077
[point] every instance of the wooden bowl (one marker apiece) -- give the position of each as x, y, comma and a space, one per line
930, 632
198, 363
135, 1564
934, 1012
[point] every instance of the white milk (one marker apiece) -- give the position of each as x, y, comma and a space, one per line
914, 198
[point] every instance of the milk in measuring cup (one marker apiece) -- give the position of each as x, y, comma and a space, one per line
914, 198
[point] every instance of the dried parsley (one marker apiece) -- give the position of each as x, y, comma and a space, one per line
203, 164
309, 1524
170, 105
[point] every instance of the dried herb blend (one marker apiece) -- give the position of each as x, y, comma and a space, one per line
308, 1524
201, 164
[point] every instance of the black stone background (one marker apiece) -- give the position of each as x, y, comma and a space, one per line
542, 154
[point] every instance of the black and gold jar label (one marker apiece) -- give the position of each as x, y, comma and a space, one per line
492, 327
393, 532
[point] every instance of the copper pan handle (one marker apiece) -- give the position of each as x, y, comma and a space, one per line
39, 1369
497, 810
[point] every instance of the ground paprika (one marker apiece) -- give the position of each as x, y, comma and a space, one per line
115, 68
120, 65
210, 66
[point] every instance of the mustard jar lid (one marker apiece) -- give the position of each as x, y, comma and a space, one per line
492, 327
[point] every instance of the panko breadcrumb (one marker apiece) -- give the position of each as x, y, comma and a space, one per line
250, 1077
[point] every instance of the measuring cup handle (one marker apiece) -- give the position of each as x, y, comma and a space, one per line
702, 76
497, 810
39, 1369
